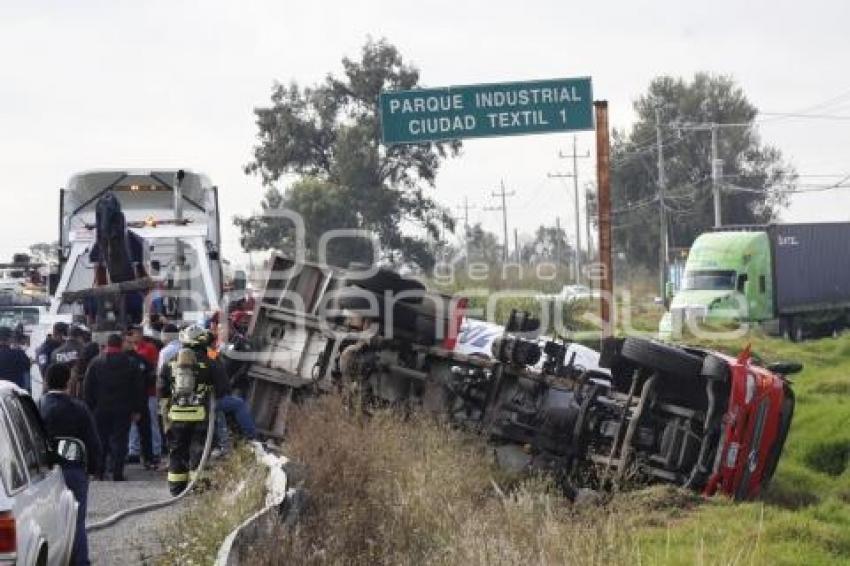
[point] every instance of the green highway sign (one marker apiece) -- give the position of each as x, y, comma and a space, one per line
477, 111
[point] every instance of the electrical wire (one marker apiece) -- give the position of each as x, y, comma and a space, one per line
806, 116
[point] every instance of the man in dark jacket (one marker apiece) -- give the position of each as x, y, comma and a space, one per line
65, 416
53, 341
114, 390
141, 444
70, 353
14, 363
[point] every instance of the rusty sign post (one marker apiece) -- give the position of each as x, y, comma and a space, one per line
603, 183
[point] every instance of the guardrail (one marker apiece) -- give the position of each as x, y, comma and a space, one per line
283, 503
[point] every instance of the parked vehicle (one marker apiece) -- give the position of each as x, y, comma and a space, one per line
569, 293
641, 412
37, 511
791, 279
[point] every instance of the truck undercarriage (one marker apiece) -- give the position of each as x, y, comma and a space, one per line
646, 412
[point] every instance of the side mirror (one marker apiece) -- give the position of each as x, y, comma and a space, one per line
785, 368
70, 451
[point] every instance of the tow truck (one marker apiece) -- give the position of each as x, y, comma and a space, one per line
134, 242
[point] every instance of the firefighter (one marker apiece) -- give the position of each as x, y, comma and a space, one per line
186, 386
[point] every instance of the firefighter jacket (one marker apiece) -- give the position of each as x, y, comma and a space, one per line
210, 379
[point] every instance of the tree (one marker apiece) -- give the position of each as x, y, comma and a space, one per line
322, 206
550, 244
331, 133
483, 246
755, 176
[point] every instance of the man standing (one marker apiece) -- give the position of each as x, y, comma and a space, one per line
65, 416
186, 386
53, 341
14, 363
170, 348
114, 391
70, 353
145, 441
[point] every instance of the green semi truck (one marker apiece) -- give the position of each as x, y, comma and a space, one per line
790, 279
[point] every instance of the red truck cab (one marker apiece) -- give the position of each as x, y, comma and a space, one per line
755, 426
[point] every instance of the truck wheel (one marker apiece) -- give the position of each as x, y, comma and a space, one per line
797, 334
666, 359
792, 329
386, 280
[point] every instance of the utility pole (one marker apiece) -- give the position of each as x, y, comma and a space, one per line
557, 239
716, 163
575, 157
607, 308
662, 210
465, 208
716, 173
503, 194
588, 240
516, 245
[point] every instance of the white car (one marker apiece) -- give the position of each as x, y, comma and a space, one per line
579, 293
476, 339
37, 511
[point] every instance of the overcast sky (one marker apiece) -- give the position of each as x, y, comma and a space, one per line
172, 84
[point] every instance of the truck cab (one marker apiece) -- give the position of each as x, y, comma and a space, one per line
727, 279
172, 215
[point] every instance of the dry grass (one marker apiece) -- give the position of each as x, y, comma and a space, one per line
236, 490
388, 490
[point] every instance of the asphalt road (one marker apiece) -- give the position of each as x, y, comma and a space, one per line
136, 539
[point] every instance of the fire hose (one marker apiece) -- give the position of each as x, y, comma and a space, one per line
153, 506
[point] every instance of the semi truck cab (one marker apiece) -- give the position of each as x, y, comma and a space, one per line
727, 280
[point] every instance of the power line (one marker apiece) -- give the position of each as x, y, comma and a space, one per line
806, 116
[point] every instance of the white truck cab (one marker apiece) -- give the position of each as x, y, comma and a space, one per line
175, 216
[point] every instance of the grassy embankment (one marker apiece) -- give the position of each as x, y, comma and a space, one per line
236, 490
389, 491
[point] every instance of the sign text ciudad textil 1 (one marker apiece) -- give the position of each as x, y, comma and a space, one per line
418, 116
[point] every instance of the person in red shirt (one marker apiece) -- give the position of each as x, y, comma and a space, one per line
145, 438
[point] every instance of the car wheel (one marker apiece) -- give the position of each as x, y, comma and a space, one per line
663, 358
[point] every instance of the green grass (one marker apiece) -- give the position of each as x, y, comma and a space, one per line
804, 517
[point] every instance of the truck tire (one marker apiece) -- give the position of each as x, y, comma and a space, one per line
792, 329
668, 360
715, 368
386, 280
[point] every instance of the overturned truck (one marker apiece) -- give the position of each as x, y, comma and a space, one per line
640, 412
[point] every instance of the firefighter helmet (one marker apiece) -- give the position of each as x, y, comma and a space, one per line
194, 335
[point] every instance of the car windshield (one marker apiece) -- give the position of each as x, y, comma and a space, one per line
10, 317
709, 281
